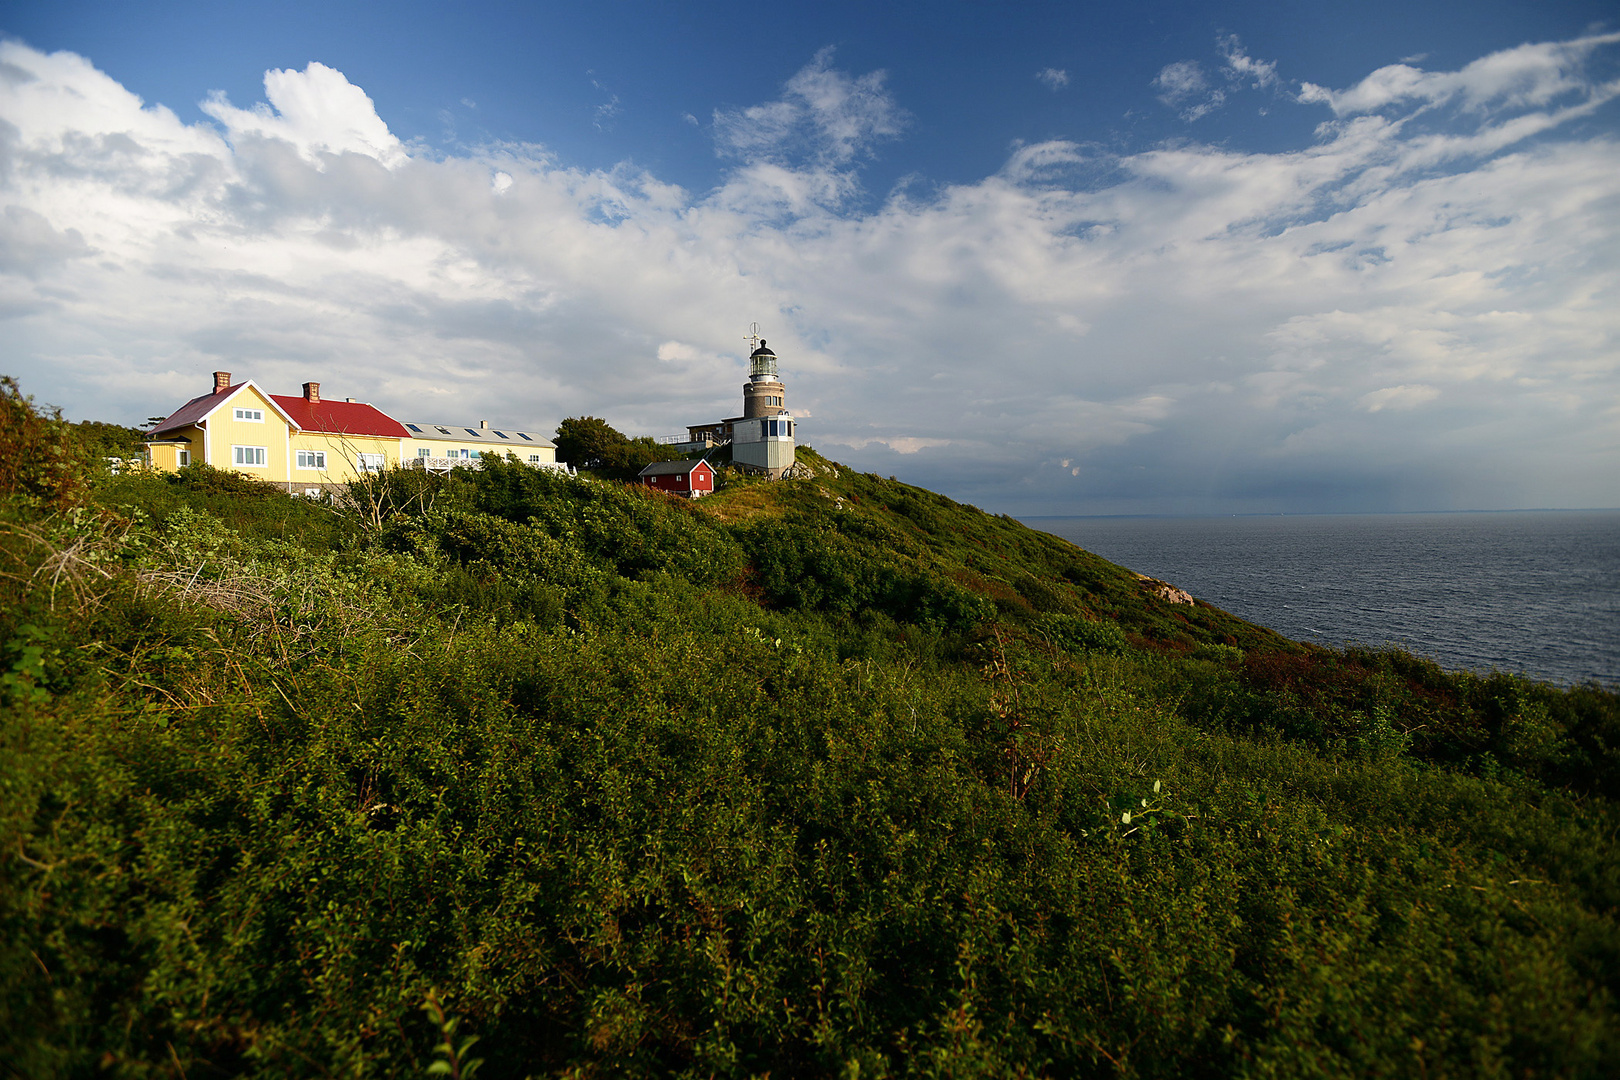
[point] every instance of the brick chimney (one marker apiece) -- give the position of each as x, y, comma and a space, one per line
312, 393
222, 380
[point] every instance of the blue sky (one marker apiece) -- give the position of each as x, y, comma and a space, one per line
1047, 258
605, 83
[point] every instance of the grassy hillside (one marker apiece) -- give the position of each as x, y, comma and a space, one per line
826, 777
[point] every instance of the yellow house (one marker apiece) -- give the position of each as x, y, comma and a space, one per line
310, 443
306, 443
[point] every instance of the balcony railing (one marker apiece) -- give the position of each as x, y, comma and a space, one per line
707, 439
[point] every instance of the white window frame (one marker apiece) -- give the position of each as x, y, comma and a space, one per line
249, 416
251, 457
311, 459
371, 462
423, 451
182, 457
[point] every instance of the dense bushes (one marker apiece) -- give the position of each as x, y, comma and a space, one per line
42, 461
802, 566
630, 787
1379, 702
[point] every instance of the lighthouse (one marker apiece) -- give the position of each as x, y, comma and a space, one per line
762, 437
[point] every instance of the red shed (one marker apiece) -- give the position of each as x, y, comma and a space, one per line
689, 478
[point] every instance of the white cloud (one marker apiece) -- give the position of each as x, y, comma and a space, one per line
1398, 398
317, 110
29, 245
609, 110
1241, 67
1530, 76
1183, 87
1419, 316
824, 115
898, 444
1052, 78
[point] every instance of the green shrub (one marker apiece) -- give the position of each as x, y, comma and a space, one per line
535, 761
43, 464
1076, 634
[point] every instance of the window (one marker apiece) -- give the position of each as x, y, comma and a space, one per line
370, 462
534, 459
503, 434
476, 453
312, 459
414, 428
524, 437
182, 457
444, 431
422, 451
251, 416
473, 433
247, 455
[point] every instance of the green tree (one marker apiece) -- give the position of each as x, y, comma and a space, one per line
636, 454
586, 442
110, 440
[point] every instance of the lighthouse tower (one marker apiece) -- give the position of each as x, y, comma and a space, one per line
762, 438
763, 392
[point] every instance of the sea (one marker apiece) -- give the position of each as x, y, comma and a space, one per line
1534, 592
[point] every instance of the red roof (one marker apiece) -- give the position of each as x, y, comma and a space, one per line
340, 417
195, 409
331, 417
675, 468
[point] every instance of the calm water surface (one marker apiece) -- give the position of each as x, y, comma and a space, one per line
1533, 592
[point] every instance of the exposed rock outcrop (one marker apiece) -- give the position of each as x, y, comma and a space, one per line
1165, 591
